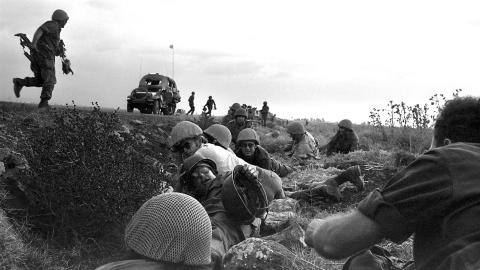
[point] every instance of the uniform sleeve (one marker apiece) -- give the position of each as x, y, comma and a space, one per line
411, 197
50, 27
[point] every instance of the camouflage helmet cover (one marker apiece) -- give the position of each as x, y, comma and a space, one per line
220, 133
241, 112
59, 15
296, 128
345, 123
248, 134
184, 130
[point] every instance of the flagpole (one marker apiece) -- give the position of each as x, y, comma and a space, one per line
173, 62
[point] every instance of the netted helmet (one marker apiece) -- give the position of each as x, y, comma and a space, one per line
171, 227
194, 161
220, 133
243, 198
59, 15
345, 123
241, 112
235, 107
295, 128
184, 130
248, 134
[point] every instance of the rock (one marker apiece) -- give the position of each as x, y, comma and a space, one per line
256, 253
280, 211
293, 237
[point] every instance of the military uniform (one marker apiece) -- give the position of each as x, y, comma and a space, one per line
306, 147
235, 128
262, 159
264, 113
43, 64
210, 104
343, 142
191, 104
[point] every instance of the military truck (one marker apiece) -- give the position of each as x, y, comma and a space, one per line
155, 94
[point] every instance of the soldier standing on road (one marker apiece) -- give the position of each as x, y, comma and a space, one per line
46, 45
264, 113
210, 104
191, 104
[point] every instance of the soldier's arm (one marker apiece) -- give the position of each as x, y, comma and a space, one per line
38, 34
342, 235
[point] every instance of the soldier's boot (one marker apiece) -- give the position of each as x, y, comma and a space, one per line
17, 86
43, 105
353, 175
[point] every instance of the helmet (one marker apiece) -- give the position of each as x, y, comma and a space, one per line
220, 133
184, 130
241, 112
295, 128
193, 161
193, 93
59, 15
210, 97
248, 134
235, 106
345, 123
243, 198
265, 102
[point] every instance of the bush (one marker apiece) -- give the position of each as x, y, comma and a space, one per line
84, 175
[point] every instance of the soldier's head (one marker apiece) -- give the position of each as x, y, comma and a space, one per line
61, 17
240, 115
209, 97
458, 121
247, 141
219, 135
345, 125
193, 93
264, 103
296, 130
196, 172
234, 108
186, 138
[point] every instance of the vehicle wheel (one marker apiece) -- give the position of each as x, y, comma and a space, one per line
156, 107
129, 107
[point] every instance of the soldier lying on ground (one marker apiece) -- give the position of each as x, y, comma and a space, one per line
303, 144
232, 219
249, 149
218, 135
169, 231
435, 198
186, 139
344, 141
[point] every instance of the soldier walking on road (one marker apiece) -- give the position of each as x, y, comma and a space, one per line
46, 44
191, 104
210, 104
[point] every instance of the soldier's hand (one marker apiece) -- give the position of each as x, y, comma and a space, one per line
249, 171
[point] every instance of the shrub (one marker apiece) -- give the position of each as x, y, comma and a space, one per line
84, 175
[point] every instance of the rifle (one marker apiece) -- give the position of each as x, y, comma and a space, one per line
25, 42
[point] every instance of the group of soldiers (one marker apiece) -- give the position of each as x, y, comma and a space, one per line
222, 195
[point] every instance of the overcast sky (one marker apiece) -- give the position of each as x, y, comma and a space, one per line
314, 59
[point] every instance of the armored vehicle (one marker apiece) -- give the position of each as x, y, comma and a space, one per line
155, 94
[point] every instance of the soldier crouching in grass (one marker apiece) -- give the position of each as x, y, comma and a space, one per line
303, 145
344, 141
436, 198
248, 148
46, 44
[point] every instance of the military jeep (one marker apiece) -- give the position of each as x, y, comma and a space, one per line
155, 94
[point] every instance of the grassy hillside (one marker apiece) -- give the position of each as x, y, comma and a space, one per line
114, 161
